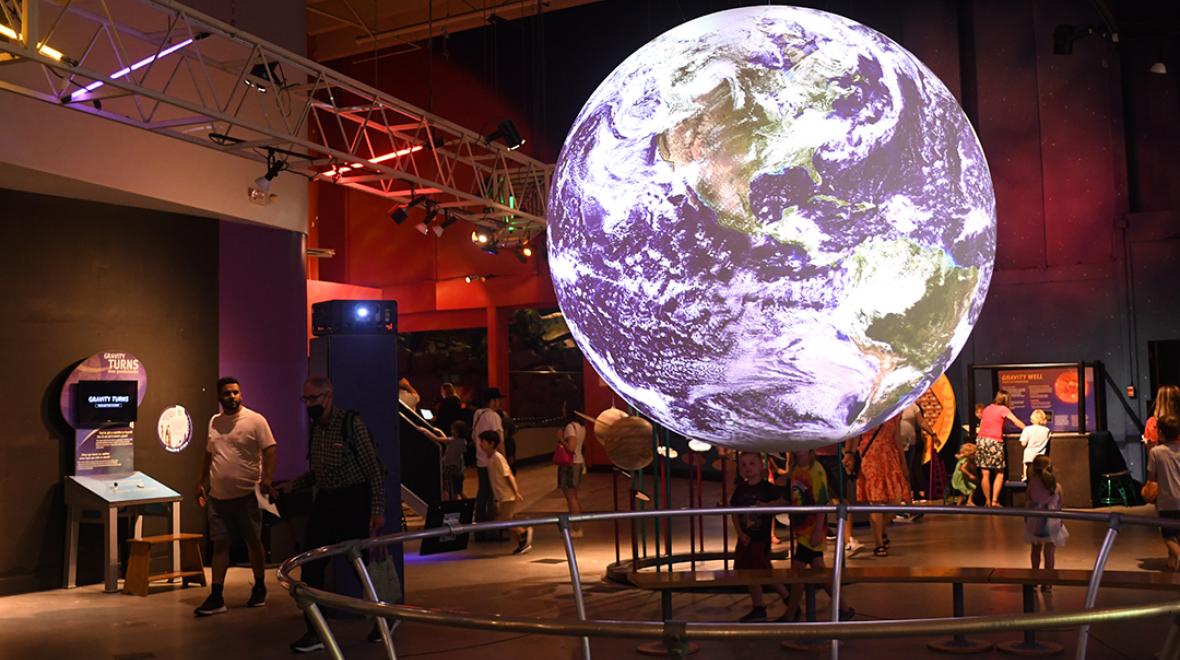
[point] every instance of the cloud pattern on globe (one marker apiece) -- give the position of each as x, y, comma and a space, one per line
771, 227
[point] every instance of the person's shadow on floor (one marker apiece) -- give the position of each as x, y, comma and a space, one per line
1153, 564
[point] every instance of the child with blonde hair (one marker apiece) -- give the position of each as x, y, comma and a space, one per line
966, 477
1045, 534
1034, 438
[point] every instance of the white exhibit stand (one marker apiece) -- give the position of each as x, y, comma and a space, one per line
107, 494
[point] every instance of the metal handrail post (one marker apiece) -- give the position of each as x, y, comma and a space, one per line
321, 627
563, 523
362, 572
1112, 532
838, 571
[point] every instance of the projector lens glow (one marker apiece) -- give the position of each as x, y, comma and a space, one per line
362, 312
771, 227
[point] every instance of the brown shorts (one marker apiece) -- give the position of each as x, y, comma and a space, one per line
754, 555
506, 510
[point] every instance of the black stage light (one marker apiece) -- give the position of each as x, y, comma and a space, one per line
263, 75
399, 213
507, 132
1063, 38
491, 248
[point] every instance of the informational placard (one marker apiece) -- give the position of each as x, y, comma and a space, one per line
104, 447
175, 428
1052, 389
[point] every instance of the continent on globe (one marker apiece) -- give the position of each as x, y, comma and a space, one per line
771, 227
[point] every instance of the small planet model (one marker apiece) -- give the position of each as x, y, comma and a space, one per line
771, 228
628, 442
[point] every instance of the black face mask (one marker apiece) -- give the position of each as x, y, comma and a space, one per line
315, 412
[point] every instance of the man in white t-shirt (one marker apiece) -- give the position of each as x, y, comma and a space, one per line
486, 418
239, 456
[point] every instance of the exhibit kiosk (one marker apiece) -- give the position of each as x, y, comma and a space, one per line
100, 399
1071, 394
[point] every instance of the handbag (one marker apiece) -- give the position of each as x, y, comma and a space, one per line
562, 456
1150, 491
857, 456
383, 573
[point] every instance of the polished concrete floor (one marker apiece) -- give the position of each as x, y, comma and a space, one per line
86, 623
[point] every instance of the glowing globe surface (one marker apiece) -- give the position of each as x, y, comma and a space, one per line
771, 227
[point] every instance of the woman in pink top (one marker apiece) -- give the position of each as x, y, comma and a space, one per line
990, 445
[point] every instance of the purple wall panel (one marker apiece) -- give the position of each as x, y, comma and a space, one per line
263, 331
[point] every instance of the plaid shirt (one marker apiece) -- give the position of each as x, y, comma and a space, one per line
334, 466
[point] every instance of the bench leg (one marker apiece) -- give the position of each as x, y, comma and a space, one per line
190, 560
959, 644
139, 568
809, 608
1029, 645
673, 645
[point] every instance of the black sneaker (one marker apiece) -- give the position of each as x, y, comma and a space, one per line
846, 615
257, 596
524, 546
787, 618
308, 643
755, 614
212, 605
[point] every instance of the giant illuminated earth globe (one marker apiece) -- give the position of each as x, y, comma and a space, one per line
771, 227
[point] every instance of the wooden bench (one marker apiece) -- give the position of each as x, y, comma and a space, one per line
139, 562
669, 581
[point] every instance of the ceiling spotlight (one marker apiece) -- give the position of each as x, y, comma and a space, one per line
491, 248
447, 221
263, 75
423, 228
399, 213
259, 193
507, 132
480, 237
523, 252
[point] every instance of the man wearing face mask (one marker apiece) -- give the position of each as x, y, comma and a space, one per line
350, 482
240, 455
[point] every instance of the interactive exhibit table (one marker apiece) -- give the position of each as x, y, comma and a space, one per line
107, 494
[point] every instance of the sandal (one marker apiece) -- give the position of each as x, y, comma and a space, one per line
881, 551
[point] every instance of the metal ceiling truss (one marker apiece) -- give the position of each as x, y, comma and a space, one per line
163, 67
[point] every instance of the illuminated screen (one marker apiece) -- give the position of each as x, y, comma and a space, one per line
100, 402
1052, 389
771, 227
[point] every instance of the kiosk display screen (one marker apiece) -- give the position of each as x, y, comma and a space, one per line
101, 402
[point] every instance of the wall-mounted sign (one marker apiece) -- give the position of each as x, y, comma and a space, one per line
175, 428
100, 399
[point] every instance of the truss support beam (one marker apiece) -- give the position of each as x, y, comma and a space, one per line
165, 68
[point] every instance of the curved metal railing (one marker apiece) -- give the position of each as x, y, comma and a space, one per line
679, 632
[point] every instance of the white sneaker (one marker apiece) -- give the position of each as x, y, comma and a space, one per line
851, 549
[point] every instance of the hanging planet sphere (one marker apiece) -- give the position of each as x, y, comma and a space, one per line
771, 228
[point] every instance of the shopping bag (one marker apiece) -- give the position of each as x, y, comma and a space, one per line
383, 573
